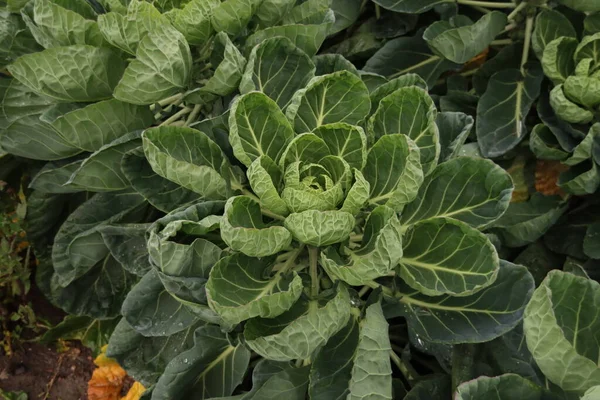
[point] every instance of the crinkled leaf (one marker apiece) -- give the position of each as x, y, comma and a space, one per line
241, 287
378, 255
162, 67
561, 328
127, 31
583, 90
338, 97
507, 386
79, 73
187, 157
568, 110
582, 179
557, 59
193, 20
298, 332
544, 144
243, 229
390, 87
232, 16
320, 228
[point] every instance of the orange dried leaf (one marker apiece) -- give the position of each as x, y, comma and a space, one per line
477, 61
135, 392
107, 380
546, 177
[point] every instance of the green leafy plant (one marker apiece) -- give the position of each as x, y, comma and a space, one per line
256, 199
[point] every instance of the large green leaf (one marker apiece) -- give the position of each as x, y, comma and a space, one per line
78, 245
127, 244
59, 26
408, 54
158, 191
378, 255
91, 127
145, 358
265, 178
152, 311
275, 380
371, 372
508, 386
562, 326
162, 67
127, 31
550, 25
193, 20
257, 128
188, 157
241, 287
278, 69
232, 16
502, 109
320, 228
472, 190
566, 109
557, 59
409, 111
460, 43
393, 171
78, 73
19, 101
298, 332
346, 141
337, 97
213, 367
270, 12
32, 138
581, 179
101, 171
243, 229
479, 317
447, 257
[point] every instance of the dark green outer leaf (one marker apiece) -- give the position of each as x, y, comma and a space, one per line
508, 386
93, 333
453, 128
408, 54
502, 109
145, 358
434, 387
477, 318
550, 25
213, 367
461, 43
152, 311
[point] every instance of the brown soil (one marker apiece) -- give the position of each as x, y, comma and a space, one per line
43, 373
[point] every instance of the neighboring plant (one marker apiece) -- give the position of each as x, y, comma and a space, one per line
246, 218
